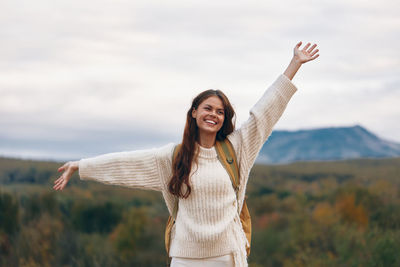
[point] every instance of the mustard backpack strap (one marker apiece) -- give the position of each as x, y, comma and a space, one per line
227, 157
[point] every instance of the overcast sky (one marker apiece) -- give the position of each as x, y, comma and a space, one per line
82, 78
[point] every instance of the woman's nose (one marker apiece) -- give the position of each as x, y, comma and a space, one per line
213, 113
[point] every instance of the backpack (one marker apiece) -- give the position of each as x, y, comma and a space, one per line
227, 157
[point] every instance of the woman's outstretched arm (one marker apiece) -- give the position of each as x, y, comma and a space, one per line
269, 108
135, 169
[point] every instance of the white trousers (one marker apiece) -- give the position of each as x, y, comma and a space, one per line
220, 261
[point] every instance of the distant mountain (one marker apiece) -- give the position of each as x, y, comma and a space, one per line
334, 143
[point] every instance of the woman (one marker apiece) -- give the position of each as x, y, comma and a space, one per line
207, 230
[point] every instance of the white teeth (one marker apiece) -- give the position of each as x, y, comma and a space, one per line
213, 122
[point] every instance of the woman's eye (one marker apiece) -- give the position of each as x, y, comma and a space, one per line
220, 112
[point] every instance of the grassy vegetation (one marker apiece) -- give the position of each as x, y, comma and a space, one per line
344, 213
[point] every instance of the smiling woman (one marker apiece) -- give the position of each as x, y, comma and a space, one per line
207, 230
209, 117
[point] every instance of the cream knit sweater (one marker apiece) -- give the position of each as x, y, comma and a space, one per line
207, 223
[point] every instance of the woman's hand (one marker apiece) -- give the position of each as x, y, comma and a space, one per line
306, 54
69, 168
300, 57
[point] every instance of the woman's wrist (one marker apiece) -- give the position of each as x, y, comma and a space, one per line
293, 67
296, 61
75, 165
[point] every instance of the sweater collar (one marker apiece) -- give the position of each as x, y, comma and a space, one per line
208, 153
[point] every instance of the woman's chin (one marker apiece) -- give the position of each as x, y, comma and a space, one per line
209, 130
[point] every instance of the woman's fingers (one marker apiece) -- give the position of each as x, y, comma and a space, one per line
62, 168
314, 57
58, 182
313, 53
60, 185
56, 186
307, 45
312, 48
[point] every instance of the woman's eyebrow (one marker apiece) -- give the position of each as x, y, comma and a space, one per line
208, 105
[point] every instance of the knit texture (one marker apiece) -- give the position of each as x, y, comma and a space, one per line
207, 223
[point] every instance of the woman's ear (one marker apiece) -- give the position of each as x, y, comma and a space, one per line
194, 112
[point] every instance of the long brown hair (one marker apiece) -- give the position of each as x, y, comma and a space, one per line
182, 164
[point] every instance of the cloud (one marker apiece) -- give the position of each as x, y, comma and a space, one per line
133, 66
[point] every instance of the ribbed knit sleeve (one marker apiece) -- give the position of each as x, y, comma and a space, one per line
136, 169
263, 116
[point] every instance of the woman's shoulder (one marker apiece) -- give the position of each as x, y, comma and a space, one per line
234, 138
165, 152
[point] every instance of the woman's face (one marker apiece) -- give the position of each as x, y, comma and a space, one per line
209, 115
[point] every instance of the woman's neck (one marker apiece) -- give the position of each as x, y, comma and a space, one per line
207, 141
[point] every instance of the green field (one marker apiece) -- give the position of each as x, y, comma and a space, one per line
343, 213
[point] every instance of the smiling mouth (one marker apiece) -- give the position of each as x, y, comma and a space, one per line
211, 122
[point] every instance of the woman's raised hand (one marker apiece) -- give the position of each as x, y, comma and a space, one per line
300, 56
69, 168
306, 54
